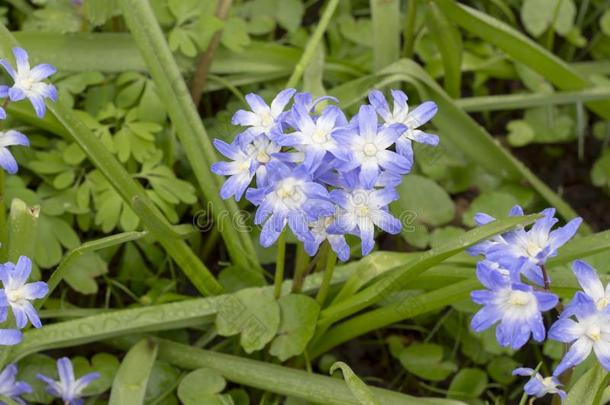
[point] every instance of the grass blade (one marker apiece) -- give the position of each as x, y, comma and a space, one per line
129, 386
522, 49
449, 43
385, 15
191, 133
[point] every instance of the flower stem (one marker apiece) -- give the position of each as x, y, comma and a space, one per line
300, 269
311, 46
331, 259
279, 265
545, 278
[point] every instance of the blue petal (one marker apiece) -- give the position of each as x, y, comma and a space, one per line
10, 337
367, 121
21, 58
7, 161
377, 100
422, 114
485, 318
560, 236
578, 352
280, 101
42, 71
588, 279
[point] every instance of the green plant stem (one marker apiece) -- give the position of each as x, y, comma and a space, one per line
3, 227
205, 60
300, 268
331, 260
312, 44
191, 133
409, 30
410, 307
522, 101
280, 260
278, 379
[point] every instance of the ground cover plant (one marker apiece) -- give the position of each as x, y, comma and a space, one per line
294, 202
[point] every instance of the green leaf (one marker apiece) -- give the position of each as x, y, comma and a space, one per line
253, 313
423, 201
103, 363
520, 133
604, 22
385, 16
129, 385
449, 43
425, 360
201, 386
298, 318
289, 14
500, 369
163, 376
32, 366
80, 273
538, 15
99, 11
468, 383
588, 388
235, 35
22, 230
355, 384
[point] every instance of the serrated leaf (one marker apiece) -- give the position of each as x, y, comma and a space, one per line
234, 35
298, 314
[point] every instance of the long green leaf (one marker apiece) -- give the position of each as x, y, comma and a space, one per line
385, 16
398, 277
129, 386
197, 146
588, 388
521, 49
449, 43
22, 226
281, 380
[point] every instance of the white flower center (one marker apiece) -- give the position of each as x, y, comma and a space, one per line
594, 333
262, 157
370, 149
267, 119
244, 166
519, 298
602, 303
319, 136
14, 295
532, 249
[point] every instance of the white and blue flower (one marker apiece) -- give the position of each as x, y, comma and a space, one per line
539, 386
10, 387
586, 329
516, 306
19, 293
313, 135
537, 244
292, 198
263, 119
360, 210
10, 138
69, 389
319, 233
28, 82
411, 119
369, 147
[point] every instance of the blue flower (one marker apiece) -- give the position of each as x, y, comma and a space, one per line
319, 233
586, 328
516, 306
537, 244
313, 136
591, 284
411, 119
360, 210
292, 198
68, 388
28, 81
369, 147
263, 119
19, 293
10, 387
10, 138
539, 386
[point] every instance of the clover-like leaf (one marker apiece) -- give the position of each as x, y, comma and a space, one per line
299, 315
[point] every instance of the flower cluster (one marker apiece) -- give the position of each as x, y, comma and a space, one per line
319, 173
518, 292
17, 295
27, 83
